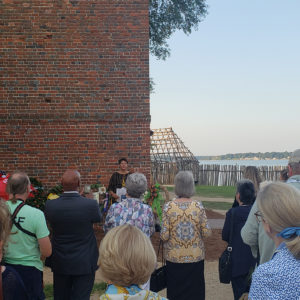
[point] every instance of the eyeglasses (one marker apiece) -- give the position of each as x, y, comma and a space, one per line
259, 217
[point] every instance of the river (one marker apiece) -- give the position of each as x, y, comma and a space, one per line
256, 163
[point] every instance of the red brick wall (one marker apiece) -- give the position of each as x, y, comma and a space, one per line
74, 87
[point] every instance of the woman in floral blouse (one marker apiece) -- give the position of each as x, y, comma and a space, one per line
183, 228
132, 210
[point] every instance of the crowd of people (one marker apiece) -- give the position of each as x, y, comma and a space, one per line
266, 235
264, 225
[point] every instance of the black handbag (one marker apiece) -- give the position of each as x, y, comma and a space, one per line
225, 259
158, 280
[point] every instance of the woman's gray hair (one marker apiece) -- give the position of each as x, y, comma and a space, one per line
184, 184
136, 185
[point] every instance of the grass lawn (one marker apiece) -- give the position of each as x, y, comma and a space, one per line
217, 205
212, 191
216, 191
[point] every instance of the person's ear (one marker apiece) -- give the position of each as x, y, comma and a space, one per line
269, 231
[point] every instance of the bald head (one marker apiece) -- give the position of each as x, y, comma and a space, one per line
70, 181
18, 184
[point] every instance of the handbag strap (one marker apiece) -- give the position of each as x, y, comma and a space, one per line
231, 231
18, 208
1, 292
162, 252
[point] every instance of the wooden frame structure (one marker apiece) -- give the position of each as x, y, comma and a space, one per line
167, 149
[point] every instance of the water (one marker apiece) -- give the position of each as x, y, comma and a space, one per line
256, 163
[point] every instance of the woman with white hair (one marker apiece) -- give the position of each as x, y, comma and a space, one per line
126, 261
183, 228
132, 210
279, 212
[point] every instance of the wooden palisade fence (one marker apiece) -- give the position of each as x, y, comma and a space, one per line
217, 175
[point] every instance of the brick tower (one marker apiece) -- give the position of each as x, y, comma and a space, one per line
74, 88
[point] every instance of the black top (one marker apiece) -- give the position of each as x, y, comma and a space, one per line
235, 203
74, 246
13, 286
242, 259
117, 181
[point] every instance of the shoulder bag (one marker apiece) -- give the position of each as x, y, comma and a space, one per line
225, 258
158, 280
1, 292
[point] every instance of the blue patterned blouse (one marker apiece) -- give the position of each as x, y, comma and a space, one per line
278, 279
132, 292
131, 211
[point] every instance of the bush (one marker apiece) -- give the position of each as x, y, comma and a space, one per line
39, 197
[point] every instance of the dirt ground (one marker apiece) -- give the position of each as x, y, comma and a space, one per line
214, 247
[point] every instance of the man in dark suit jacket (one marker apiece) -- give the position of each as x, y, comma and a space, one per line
75, 253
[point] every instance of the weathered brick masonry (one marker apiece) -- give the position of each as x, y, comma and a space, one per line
74, 87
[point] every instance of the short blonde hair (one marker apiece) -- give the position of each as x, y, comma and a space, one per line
126, 256
280, 205
5, 222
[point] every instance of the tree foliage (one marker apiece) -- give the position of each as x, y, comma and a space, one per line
167, 16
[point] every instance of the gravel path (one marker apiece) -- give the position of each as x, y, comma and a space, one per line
216, 223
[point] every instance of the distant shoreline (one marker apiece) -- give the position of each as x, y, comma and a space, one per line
247, 156
245, 162
250, 158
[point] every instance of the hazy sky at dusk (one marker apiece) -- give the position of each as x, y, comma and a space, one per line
233, 85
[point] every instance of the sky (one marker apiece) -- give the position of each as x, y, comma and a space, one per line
233, 86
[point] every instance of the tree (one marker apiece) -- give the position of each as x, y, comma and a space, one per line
167, 16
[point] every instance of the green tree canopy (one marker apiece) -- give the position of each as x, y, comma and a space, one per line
167, 16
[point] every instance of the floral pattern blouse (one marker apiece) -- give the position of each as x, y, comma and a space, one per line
132, 292
184, 225
131, 211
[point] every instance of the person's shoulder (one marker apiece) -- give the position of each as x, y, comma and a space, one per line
155, 296
275, 266
230, 210
285, 257
88, 202
145, 205
168, 204
241, 210
33, 210
197, 203
116, 205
